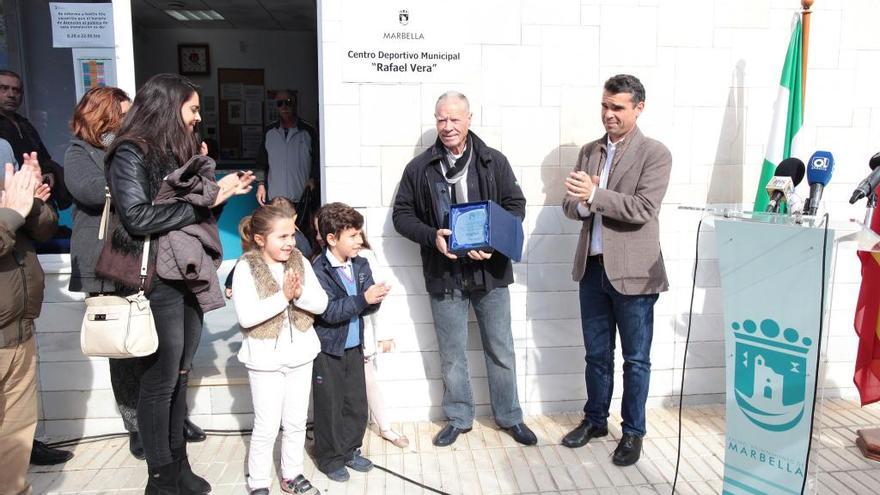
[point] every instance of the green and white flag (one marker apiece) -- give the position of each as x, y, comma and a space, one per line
788, 115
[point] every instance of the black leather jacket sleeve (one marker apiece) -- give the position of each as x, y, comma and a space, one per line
129, 187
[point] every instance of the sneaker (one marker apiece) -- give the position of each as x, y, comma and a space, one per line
260, 491
299, 485
359, 463
341, 475
396, 439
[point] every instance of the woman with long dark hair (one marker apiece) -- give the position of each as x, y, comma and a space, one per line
157, 137
96, 120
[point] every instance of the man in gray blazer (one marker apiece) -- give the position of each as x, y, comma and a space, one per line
615, 192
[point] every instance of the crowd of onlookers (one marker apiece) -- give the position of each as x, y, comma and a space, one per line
306, 291
126, 150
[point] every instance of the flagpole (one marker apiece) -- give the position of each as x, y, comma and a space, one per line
805, 45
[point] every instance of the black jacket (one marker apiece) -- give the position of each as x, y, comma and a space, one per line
422, 207
134, 180
332, 326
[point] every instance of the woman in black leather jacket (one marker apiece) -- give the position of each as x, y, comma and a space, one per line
96, 119
157, 137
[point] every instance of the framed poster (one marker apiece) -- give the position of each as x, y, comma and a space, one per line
193, 60
93, 68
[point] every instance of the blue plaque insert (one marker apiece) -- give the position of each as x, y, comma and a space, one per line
485, 226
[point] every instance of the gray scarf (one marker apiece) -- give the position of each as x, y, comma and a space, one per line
456, 173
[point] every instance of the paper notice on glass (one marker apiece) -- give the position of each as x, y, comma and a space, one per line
82, 25
253, 112
253, 92
235, 115
251, 138
232, 91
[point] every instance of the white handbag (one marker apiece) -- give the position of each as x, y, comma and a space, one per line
115, 326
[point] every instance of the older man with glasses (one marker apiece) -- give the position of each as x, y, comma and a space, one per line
288, 154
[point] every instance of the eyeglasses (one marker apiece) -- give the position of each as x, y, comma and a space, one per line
284, 103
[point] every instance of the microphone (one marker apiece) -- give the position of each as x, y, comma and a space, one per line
818, 174
867, 186
788, 174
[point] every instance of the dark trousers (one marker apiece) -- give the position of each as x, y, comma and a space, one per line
340, 397
162, 404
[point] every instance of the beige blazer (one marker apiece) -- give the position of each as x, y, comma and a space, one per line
629, 206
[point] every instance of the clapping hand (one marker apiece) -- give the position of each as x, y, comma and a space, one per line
234, 184
19, 189
580, 184
292, 285
376, 293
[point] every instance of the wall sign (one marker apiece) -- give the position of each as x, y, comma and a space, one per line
82, 25
395, 41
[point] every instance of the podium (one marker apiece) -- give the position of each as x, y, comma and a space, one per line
775, 278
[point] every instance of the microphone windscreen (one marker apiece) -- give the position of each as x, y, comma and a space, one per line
875, 161
820, 168
791, 167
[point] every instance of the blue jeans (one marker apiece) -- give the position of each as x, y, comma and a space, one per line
493, 316
603, 309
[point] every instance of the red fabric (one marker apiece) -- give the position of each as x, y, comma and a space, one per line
867, 374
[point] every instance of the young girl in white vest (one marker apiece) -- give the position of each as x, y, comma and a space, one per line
276, 294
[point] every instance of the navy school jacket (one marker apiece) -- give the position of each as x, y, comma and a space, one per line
332, 326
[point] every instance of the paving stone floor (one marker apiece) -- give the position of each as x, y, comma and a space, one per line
488, 461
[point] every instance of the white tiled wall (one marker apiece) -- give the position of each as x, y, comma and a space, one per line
711, 70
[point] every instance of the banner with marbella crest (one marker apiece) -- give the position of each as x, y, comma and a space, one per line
772, 282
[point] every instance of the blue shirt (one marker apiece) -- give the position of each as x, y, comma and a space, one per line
346, 274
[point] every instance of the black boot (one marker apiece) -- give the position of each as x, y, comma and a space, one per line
43, 455
162, 480
188, 482
135, 446
192, 432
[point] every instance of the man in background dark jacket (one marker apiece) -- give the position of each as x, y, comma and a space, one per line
460, 168
23, 137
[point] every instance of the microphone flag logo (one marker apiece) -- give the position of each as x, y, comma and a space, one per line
819, 163
770, 376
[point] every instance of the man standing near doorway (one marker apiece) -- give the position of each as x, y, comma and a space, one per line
288, 154
615, 192
24, 138
460, 168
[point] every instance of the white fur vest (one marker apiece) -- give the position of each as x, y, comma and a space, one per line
267, 286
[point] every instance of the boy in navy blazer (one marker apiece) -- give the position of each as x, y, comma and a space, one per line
340, 396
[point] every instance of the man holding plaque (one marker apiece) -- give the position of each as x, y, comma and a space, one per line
615, 191
461, 168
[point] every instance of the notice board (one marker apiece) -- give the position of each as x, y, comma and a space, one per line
241, 96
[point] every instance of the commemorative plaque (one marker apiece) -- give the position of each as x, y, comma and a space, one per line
485, 226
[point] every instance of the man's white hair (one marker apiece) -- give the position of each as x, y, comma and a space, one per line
452, 95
